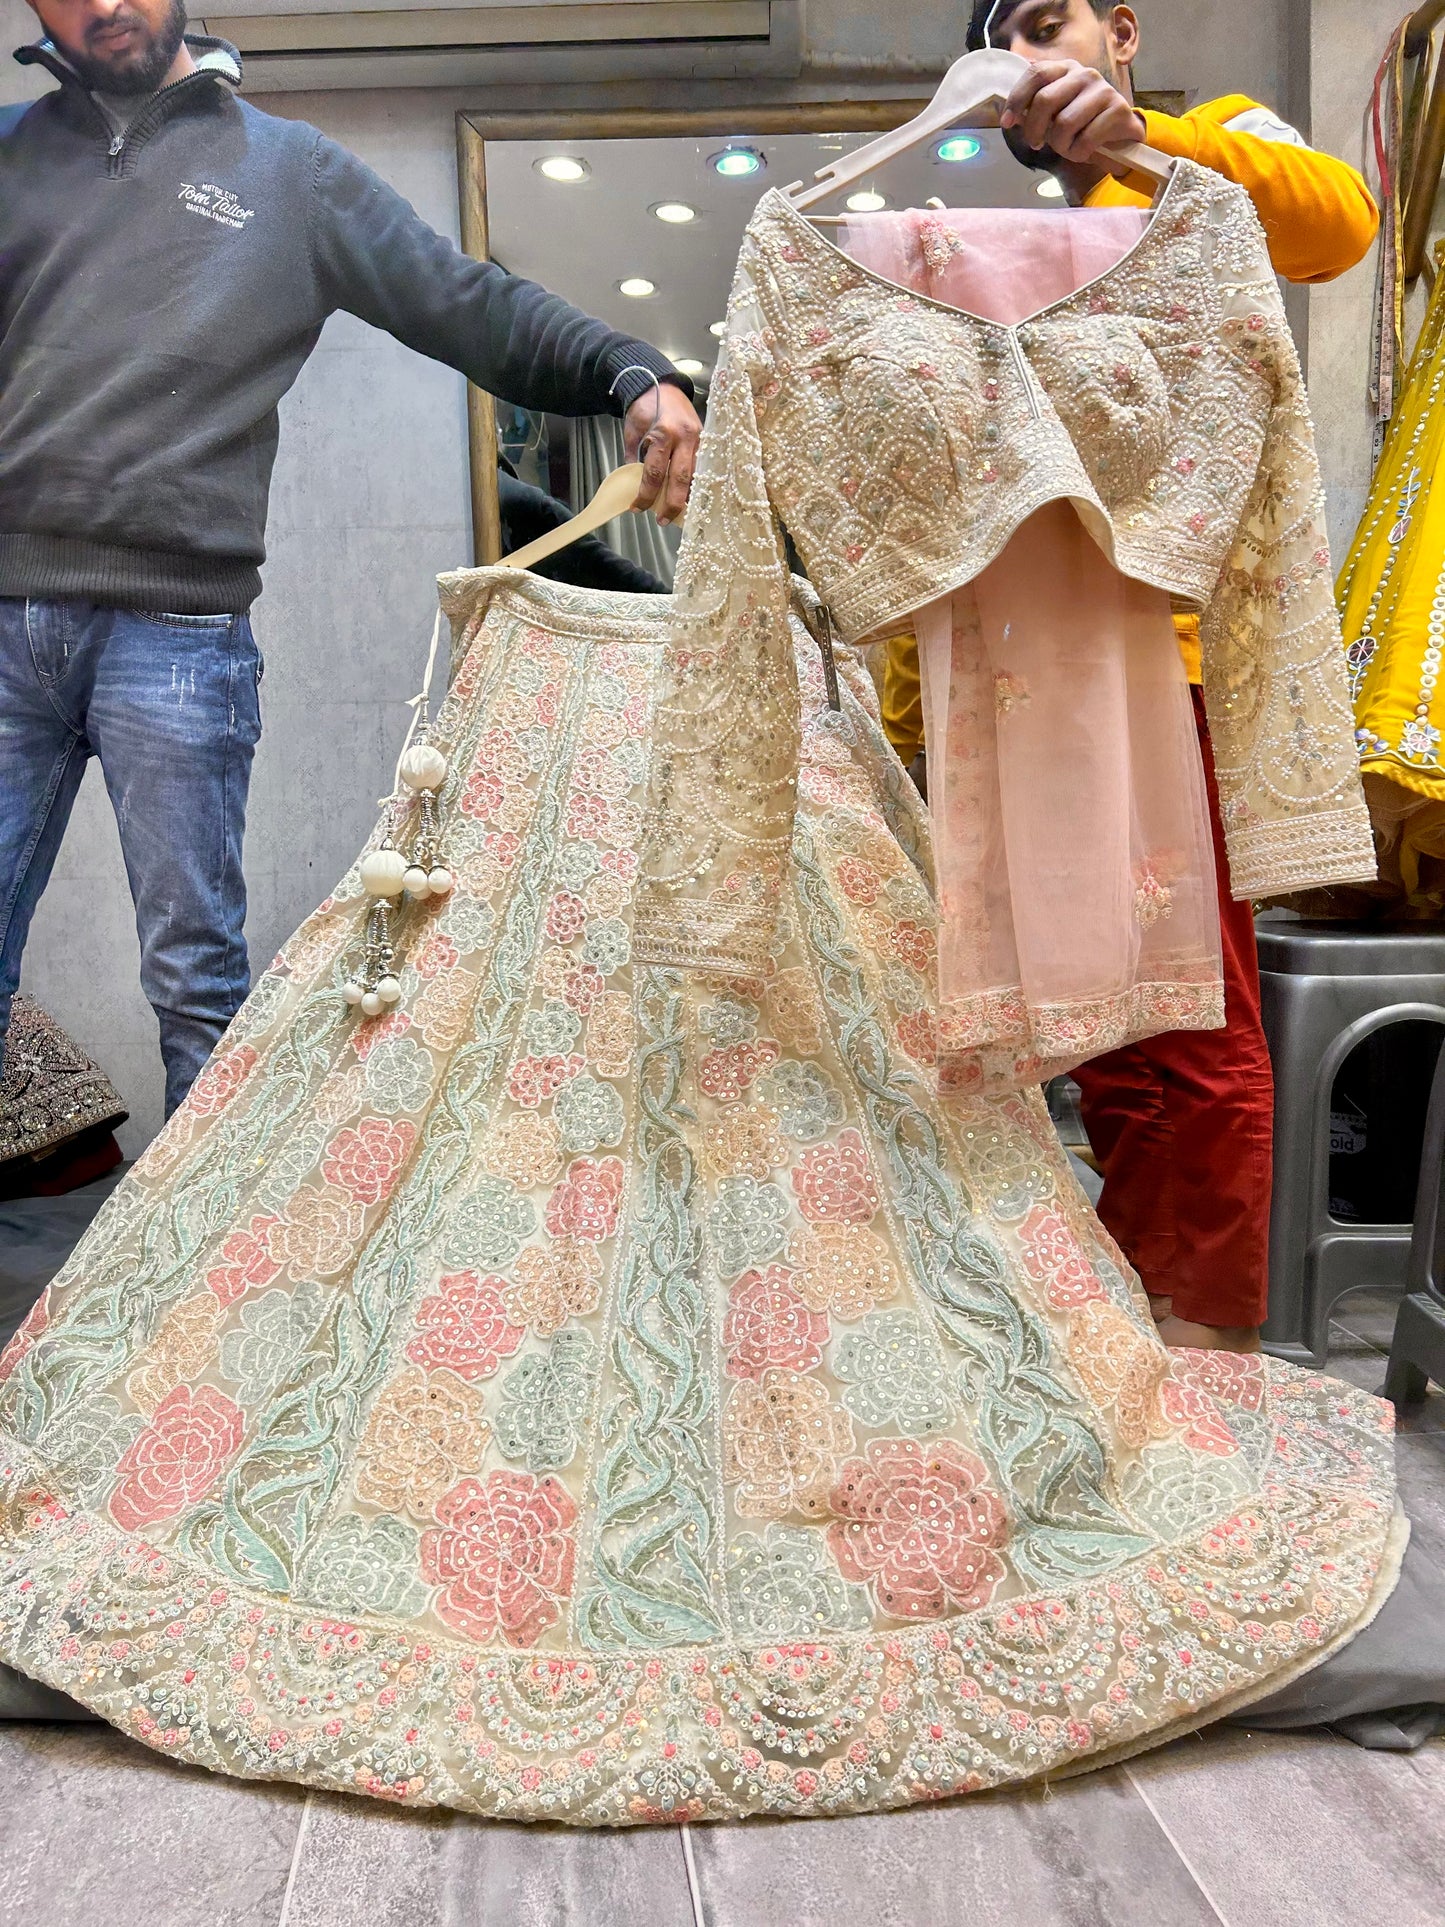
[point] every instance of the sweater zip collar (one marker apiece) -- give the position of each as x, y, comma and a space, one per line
220, 62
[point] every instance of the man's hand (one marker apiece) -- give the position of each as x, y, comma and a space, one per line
1072, 109
661, 430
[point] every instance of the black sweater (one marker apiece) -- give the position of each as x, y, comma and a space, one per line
159, 293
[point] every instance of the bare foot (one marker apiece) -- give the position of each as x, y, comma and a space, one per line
1162, 1308
1177, 1332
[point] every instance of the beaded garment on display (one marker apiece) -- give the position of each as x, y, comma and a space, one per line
604, 1391
49, 1090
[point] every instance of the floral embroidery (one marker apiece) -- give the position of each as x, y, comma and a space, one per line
424, 1431
729, 1021
585, 1204
892, 1374
553, 1028
222, 1078
246, 1261
192, 1436
1054, 1258
535, 1079
725, 1074
794, 1011
920, 1525
1201, 1424
464, 1327
834, 1184
611, 1033
399, 1076
1153, 899
366, 1161
808, 1105
178, 1353
1122, 1366
782, 1440
23, 1339
503, 1555
743, 1139
841, 1268
490, 1225
369, 1562
589, 1114
553, 1284
1010, 692
783, 1585
545, 1402
768, 1324
746, 1226
321, 1229
525, 1148
261, 1351
1234, 1378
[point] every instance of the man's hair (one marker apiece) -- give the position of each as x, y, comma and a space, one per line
983, 8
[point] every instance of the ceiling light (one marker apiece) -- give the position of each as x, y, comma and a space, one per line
562, 167
675, 213
638, 286
959, 147
868, 202
718, 328
736, 162
688, 365
1049, 189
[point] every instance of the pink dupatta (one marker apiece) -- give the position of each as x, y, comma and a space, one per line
1071, 832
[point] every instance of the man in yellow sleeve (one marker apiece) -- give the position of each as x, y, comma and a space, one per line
1182, 1124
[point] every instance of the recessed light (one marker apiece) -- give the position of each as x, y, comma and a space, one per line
868, 202
718, 328
736, 162
1049, 189
638, 286
562, 167
675, 213
688, 365
959, 147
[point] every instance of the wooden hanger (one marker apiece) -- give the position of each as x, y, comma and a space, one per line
617, 494
974, 86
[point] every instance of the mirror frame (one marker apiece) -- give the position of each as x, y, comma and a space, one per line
475, 129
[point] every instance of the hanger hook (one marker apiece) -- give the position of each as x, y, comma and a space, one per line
993, 14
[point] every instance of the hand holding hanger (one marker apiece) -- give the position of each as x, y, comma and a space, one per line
1073, 110
661, 430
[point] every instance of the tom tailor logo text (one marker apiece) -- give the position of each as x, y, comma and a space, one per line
215, 203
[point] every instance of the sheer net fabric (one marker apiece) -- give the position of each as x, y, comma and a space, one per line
1075, 864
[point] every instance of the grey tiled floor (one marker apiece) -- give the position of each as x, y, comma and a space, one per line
1233, 1827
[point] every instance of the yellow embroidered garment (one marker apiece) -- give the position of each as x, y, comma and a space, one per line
605, 1391
1392, 600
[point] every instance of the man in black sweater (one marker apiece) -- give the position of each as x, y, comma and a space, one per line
168, 255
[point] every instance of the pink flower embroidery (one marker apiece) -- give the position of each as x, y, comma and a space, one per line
917, 1033
768, 1324
366, 1159
585, 1204
177, 1458
582, 985
913, 944
919, 1525
588, 817
219, 1082
464, 1327
503, 1555
437, 954
1185, 1405
1053, 1259
566, 917
246, 1262
482, 796
365, 1040
1232, 1377
534, 1079
834, 1184
858, 880
726, 1074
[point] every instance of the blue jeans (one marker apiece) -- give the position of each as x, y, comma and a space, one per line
169, 704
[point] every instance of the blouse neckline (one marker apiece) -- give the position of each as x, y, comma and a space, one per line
796, 219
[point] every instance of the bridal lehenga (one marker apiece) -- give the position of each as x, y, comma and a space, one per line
664, 1367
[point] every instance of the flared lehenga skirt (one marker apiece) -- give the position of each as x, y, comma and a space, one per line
605, 1393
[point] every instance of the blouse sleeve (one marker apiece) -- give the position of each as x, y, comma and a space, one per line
723, 780
1274, 672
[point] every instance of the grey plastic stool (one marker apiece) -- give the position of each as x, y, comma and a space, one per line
1325, 987
1417, 1351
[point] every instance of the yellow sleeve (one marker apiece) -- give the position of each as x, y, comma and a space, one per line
903, 698
1316, 211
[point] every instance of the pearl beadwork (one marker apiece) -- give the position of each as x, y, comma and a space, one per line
415, 881
352, 993
382, 872
440, 881
388, 990
423, 767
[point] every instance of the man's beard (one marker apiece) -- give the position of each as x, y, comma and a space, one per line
143, 65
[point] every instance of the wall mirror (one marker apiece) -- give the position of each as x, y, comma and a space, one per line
638, 217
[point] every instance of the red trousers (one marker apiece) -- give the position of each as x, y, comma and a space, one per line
1183, 1128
